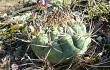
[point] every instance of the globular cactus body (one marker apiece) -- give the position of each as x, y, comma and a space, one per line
65, 45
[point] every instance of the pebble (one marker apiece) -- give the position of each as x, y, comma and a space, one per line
108, 40
14, 66
99, 39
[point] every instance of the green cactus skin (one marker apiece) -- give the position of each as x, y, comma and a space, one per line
79, 36
37, 45
70, 44
54, 35
83, 28
85, 46
68, 48
55, 54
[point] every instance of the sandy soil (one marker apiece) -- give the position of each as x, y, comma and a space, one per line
10, 5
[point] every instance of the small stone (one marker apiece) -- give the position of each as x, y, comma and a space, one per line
4, 15
76, 13
21, 26
87, 59
99, 38
14, 66
100, 54
12, 58
32, 29
108, 40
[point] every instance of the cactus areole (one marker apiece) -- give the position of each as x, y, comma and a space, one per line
60, 45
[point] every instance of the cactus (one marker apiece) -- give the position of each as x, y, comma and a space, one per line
63, 46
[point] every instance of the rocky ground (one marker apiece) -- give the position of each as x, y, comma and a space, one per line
96, 57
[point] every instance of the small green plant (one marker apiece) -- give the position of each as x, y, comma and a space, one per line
98, 10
